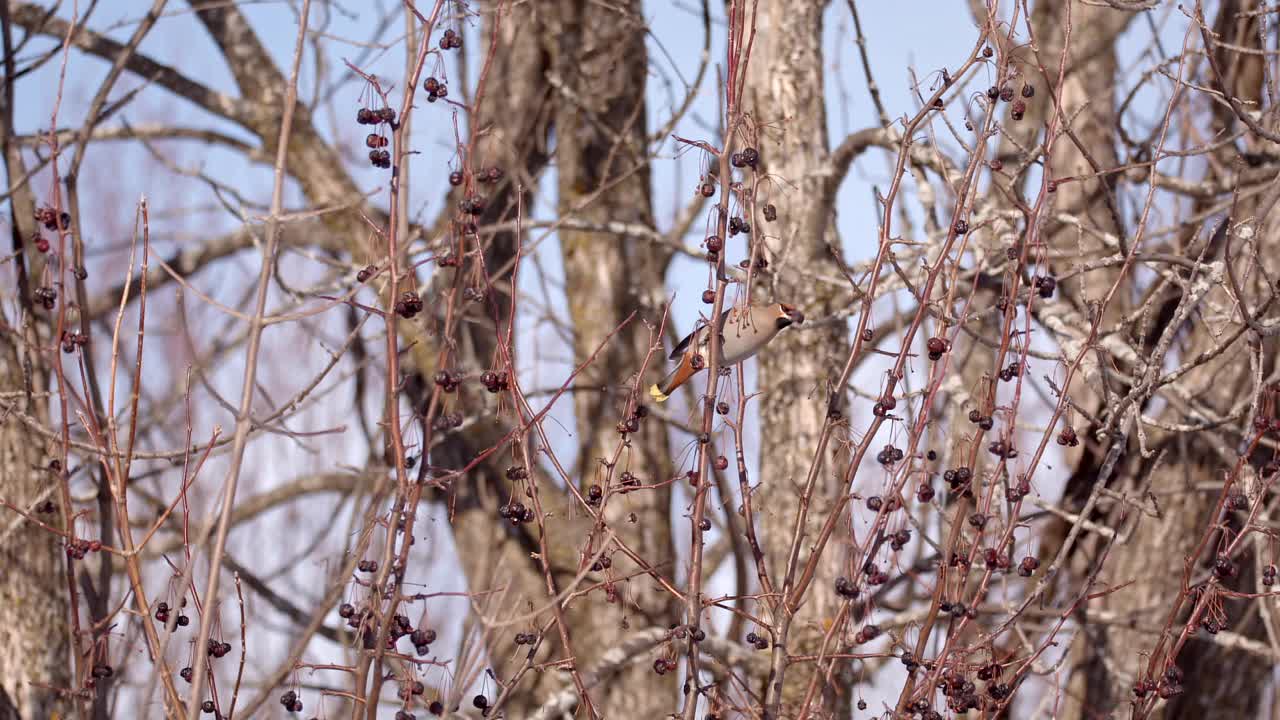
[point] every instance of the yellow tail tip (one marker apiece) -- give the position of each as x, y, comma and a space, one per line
656, 393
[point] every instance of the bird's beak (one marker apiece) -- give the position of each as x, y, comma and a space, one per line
788, 315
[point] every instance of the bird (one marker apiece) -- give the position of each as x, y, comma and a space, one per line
740, 338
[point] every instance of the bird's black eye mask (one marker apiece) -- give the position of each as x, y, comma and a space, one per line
790, 316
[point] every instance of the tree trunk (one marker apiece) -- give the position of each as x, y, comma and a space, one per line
786, 101
35, 630
599, 67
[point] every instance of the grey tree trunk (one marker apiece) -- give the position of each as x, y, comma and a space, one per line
786, 100
599, 66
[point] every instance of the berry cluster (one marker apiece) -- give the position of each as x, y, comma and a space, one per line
1005, 93
845, 588
378, 157
680, 632
937, 347
408, 305
866, 634
367, 566
162, 615
450, 40
495, 382
473, 204
47, 297
435, 89
885, 404
291, 702
1044, 285
982, 421
218, 648
1028, 565
1224, 567
422, 640
875, 576
77, 549
448, 381
1068, 437
73, 340
526, 638
1169, 686
52, 219
1002, 449
995, 559
1021, 490
890, 455
632, 423
758, 641
749, 157
516, 512
958, 479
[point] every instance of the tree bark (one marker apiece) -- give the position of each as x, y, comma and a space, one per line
786, 101
599, 66
35, 629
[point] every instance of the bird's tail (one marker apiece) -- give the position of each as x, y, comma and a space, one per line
660, 392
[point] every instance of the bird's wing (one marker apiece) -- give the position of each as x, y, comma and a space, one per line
683, 345
698, 333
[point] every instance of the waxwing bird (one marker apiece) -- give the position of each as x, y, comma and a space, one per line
741, 336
